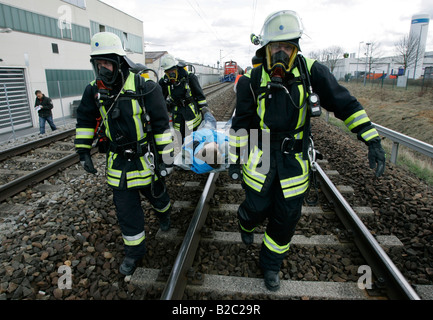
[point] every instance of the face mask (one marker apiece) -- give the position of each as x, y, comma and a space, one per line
105, 75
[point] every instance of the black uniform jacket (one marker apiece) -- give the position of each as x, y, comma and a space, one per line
46, 106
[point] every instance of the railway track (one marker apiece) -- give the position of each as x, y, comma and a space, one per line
35, 166
187, 279
202, 256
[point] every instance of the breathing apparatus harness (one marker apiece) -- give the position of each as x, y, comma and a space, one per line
153, 162
314, 110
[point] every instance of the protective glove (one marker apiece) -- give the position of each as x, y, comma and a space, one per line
235, 171
376, 156
87, 163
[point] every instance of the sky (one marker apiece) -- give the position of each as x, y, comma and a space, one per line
204, 31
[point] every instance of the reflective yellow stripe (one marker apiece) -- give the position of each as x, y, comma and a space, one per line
83, 146
356, 119
84, 133
251, 183
139, 182
238, 141
295, 191
273, 246
136, 116
246, 230
233, 157
370, 134
163, 138
134, 240
163, 209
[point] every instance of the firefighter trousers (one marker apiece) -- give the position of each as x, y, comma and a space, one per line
282, 214
131, 216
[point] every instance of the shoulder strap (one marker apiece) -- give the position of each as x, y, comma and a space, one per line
255, 81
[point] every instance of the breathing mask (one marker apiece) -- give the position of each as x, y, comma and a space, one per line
172, 74
280, 57
104, 75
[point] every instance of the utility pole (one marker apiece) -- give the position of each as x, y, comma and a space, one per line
366, 62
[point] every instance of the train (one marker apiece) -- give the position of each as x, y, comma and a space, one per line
231, 71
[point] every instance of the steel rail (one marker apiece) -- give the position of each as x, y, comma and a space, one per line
395, 284
177, 280
5, 154
9, 189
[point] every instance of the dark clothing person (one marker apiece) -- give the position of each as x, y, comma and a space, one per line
44, 105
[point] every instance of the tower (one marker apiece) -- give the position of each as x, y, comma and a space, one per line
419, 30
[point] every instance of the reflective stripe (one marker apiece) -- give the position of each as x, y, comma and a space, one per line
202, 102
136, 116
163, 209
254, 159
84, 133
114, 173
163, 138
113, 182
137, 174
370, 134
246, 230
251, 183
83, 146
134, 240
356, 119
233, 157
254, 174
238, 141
139, 182
273, 246
291, 192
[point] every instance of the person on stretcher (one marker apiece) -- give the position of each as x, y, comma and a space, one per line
206, 149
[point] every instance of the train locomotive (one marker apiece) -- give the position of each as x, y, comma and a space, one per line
231, 71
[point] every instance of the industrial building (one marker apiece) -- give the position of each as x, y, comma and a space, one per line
46, 46
358, 64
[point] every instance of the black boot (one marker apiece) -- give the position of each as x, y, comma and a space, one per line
128, 266
164, 220
247, 237
272, 280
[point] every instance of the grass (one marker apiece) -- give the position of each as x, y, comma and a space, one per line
419, 165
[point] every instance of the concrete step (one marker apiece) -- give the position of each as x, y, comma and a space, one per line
297, 240
228, 285
360, 211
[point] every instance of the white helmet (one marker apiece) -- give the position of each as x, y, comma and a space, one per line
106, 43
168, 62
281, 26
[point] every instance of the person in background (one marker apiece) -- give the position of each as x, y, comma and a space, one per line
184, 96
44, 105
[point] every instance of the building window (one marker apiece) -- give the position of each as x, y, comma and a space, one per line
55, 47
30, 22
78, 3
71, 82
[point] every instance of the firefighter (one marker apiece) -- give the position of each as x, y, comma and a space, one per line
277, 100
128, 106
185, 97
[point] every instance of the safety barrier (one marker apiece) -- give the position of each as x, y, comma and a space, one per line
397, 138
